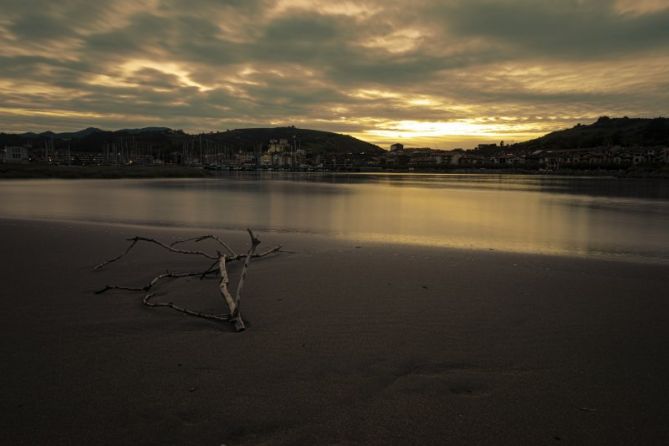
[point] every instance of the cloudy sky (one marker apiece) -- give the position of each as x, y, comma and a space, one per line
443, 73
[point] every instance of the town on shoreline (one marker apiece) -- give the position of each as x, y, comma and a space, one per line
619, 146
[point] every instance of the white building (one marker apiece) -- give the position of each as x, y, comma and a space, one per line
664, 155
278, 145
14, 154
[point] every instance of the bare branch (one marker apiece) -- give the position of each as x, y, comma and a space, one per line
223, 285
101, 265
117, 287
134, 241
256, 256
218, 266
212, 268
154, 281
215, 317
254, 244
236, 314
206, 237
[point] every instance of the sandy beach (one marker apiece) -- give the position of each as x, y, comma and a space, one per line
348, 344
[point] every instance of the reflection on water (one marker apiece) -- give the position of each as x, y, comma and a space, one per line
565, 215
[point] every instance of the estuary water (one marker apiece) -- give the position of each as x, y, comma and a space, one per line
583, 216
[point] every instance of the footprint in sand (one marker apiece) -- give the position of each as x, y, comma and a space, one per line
454, 379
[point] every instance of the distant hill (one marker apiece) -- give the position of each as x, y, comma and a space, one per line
94, 140
605, 132
313, 141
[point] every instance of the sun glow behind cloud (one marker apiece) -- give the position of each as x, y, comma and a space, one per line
133, 66
640, 6
449, 131
400, 41
422, 129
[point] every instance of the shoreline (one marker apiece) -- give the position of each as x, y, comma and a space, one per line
348, 344
302, 238
28, 171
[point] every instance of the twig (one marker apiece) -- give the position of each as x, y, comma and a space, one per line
212, 269
256, 256
206, 237
134, 241
101, 265
117, 287
215, 317
154, 281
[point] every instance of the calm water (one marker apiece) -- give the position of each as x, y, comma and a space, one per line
563, 215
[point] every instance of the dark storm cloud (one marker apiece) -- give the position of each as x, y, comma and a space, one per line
586, 29
359, 66
39, 26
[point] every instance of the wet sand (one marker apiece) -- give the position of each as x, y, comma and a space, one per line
348, 344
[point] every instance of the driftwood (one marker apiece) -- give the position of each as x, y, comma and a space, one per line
219, 266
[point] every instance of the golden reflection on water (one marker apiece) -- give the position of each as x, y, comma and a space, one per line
518, 214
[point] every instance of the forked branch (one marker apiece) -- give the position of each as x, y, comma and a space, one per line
219, 266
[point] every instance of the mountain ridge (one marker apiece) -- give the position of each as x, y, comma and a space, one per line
249, 139
605, 132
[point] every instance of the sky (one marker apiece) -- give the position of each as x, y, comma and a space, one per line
425, 73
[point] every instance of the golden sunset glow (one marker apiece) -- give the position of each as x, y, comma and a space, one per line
418, 129
641, 6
